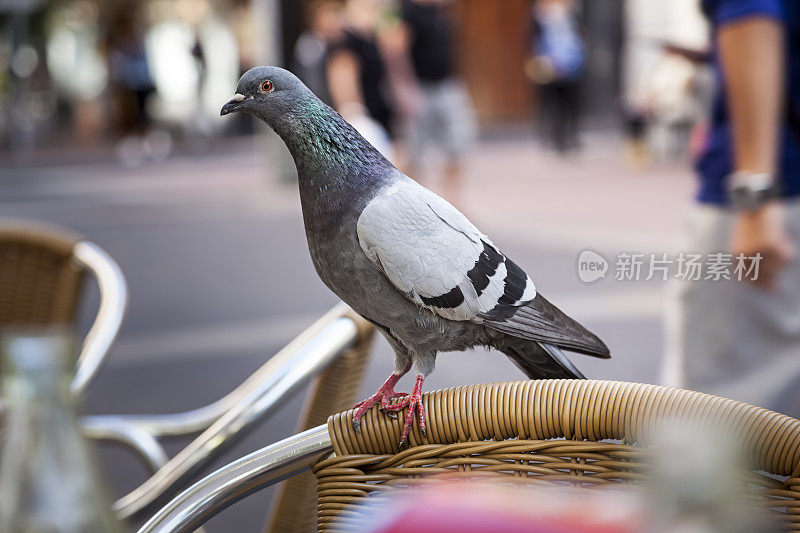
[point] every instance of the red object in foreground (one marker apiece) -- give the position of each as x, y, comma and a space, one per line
424, 520
485, 507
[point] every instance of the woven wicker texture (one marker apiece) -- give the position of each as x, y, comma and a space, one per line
334, 390
39, 282
506, 429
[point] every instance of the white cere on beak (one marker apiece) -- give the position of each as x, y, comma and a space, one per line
237, 98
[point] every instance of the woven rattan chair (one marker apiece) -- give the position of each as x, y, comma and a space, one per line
566, 431
42, 270
575, 432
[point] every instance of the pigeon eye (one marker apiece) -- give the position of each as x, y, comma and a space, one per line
266, 86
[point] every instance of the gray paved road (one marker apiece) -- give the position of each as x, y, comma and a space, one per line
220, 278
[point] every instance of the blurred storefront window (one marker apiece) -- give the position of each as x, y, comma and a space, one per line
93, 71
74, 54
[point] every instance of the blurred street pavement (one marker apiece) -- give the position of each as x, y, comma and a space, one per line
214, 252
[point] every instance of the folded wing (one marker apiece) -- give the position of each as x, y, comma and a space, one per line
436, 257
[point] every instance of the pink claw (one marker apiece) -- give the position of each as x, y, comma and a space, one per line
384, 396
414, 403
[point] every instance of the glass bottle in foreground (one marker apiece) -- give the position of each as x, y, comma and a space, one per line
49, 480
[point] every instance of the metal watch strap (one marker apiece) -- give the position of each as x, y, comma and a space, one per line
750, 190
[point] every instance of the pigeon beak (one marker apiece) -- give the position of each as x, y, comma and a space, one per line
232, 105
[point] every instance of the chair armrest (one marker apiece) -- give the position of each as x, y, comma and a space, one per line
118, 430
224, 487
110, 315
300, 365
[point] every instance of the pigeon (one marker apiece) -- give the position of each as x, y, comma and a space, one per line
404, 258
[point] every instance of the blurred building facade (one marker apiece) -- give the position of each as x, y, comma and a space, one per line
88, 70
81, 70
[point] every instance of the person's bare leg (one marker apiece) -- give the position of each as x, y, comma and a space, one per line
453, 182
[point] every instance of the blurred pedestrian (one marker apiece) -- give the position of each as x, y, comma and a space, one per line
678, 92
434, 102
132, 87
635, 122
357, 76
733, 338
556, 66
129, 68
310, 62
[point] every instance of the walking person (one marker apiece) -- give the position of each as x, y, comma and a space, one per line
736, 338
556, 66
433, 101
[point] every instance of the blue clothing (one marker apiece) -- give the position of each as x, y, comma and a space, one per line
559, 41
716, 161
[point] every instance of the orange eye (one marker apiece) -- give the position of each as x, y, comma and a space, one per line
266, 86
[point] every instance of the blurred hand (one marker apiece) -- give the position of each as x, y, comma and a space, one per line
764, 232
539, 69
395, 43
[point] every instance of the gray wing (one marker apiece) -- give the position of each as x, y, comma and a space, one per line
438, 258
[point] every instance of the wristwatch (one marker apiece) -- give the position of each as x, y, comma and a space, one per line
750, 190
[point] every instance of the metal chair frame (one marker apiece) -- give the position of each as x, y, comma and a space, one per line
220, 424
217, 425
110, 314
219, 490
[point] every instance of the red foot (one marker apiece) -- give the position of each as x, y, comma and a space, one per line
414, 403
384, 396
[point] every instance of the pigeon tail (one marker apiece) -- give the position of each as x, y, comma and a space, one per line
540, 360
539, 320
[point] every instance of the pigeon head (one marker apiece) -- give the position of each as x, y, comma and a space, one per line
316, 135
268, 93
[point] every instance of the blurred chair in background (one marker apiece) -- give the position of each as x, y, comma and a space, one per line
42, 271
728, 336
294, 506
